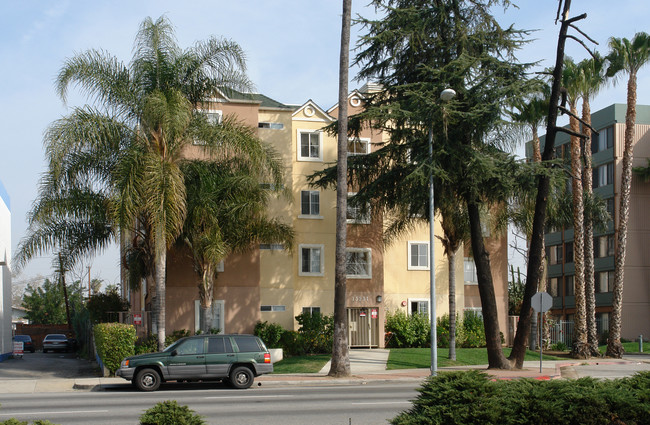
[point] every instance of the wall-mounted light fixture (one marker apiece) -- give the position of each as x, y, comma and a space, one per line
379, 298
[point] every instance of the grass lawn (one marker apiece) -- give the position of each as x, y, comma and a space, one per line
301, 364
630, 347
415, 358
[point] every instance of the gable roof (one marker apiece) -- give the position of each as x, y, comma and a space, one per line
354, 92
313, 112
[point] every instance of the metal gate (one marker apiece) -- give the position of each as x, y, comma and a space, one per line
363, 327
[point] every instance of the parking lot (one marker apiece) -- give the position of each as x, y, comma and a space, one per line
40, 365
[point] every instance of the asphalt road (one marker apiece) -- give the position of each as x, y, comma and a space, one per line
345, 405
47, 366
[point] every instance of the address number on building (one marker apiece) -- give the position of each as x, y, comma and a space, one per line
360, 299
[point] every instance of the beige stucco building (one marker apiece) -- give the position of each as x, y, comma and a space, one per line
272, 284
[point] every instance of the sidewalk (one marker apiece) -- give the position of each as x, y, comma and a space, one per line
367, 366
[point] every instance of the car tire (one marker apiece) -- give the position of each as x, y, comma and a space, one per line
147, 380
241, 378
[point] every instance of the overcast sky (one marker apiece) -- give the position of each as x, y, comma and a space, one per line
292, 47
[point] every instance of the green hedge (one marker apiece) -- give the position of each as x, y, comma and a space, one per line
170, 413
114, 342
475, 398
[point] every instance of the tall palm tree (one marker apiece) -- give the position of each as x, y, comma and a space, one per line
570, 82
226, 213
144, 116
592, 79
627, 56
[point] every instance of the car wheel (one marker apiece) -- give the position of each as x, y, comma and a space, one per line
147, 380
44, 350
241, 377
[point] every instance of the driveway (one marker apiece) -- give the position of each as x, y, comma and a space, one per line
40, 365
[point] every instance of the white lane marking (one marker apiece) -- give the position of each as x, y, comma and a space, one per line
59, 412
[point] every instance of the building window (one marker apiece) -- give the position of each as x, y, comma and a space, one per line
357, 214
418, 306
552, 286
554, 254
309, 203
568, 252
273, 308
602, 141
568, 286
603, 175
469, 271
311, 310
477, 311
272, 246
310, 147
311, 260
610, 207
271, 125
220, 267
604, 246
358, 146
604, 281
359, 263
418, 255
214, 118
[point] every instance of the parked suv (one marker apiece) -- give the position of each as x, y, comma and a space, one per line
236, 359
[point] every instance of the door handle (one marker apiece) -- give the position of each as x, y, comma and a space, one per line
231, 355
200, 357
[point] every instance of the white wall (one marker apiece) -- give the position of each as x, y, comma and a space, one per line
5, 273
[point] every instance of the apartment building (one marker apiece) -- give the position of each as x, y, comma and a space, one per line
607, 151
272, 284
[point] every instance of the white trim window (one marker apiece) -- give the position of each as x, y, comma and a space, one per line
418, 255
310, 145
214, 118
357, 214
469, 271
311, 260
418, 306
271, 125
358, 146
309, 204
358, 263
267, 308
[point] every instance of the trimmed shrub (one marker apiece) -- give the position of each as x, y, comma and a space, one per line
407, 331
175, 336
474, 397
114, 342
270, 333
170, 413
472, 331
147, 345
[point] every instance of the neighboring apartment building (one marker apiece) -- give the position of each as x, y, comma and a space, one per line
271, 284
607, 150
6, 346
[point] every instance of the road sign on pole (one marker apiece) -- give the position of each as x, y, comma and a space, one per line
541, 302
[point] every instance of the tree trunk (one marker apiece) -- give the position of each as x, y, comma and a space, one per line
206, 296
340, 365
451, 256
590, 290
534, 271
614, 346
496, 359
160, 274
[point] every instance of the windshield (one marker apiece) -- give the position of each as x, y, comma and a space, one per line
173, 346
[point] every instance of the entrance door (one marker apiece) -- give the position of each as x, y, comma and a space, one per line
363, 326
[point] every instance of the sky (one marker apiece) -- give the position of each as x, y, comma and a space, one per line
292, 49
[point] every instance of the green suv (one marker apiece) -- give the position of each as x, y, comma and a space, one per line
236, 359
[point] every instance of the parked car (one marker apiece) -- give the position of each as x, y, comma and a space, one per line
55, 342
235, 359
28, 344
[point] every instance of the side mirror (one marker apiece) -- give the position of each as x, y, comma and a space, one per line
174, 353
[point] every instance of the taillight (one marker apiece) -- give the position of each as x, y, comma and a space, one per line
267, 358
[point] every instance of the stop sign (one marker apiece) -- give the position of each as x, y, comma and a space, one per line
541, 301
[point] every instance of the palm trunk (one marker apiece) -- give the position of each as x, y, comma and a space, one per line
206, 295
496, 359
340, 365
160, 272
580, 346
590, 292
451, 256
614, 346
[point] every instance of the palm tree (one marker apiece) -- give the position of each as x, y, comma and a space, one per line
570, 82
626, 57
592, 79
143, 118
226, 213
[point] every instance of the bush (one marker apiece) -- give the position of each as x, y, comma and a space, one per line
175, 336
408, 331
114, 342
472, 331
270, 333
559, 346
102, 307
473, 397
316, 333
170, 413
147, 345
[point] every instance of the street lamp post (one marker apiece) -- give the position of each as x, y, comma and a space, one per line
445, 96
